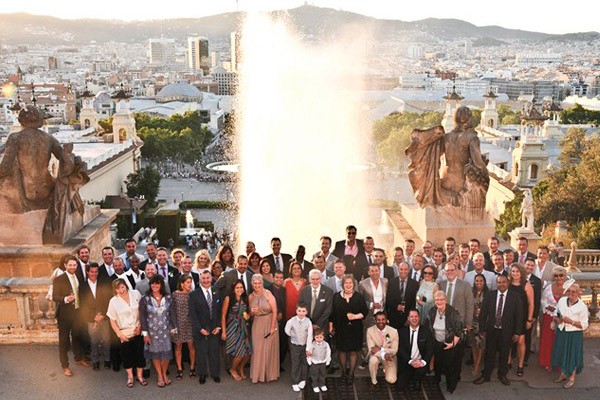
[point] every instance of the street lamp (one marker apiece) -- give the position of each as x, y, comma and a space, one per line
182, 197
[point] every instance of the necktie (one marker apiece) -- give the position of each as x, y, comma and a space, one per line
370, 261
164, 271
314, 302
75, 285
415, 275
209, 301
522, 259
401, 291
412, 338
277, 263
499, 311
450, 292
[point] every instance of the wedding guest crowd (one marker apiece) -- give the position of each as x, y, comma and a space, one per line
346, 308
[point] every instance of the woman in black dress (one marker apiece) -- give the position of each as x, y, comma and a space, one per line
349, 310
519, 285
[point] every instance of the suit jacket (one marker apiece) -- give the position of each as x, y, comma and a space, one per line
489, 265
200, 314
388, 272
61, 288
528, 255
537, 294
323, 308
286, 263
173, 276
512, 314
144, 263
393, 298
279, 294
90, 305
131, 280
389, 342
196, 278
103, 274
424, 343
462, 299
80, 272
340, 249
306, 267
225, 284
331, 284
365, 288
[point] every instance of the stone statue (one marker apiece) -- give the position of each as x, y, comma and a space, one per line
527, 211
461, 186
26, 183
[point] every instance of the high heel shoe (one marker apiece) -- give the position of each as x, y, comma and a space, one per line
520, 371
569, 384
192, 373
179, 375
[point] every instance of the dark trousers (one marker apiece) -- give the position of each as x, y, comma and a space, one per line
494, 342
448, 363
407, 374
207, 355
67, 337
283, 342
132, 353
299, 364
115, 349
317, 374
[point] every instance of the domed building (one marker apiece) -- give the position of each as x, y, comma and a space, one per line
179, 92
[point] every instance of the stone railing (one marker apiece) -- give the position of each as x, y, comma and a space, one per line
586, 260
33, 318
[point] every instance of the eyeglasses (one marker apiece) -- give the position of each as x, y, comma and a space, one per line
559, 275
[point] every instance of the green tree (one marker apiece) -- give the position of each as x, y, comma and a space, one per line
571, 147
106, 124
144, 183
588, 234
511, 217
579, 115
507, 116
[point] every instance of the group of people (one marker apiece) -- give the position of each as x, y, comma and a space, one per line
347, 308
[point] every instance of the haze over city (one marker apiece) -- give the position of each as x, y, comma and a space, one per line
515, 14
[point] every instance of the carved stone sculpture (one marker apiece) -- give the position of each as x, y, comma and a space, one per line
527, 213
25, 181
461, 186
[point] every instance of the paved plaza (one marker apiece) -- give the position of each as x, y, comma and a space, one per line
33, 372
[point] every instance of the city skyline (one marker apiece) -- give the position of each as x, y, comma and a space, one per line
513, 14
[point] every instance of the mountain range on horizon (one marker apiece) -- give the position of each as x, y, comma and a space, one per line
23, 28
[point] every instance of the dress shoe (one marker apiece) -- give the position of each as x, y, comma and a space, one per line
67, 372
217, 379
96, 366
83, 363
106, 364
481, 380
504, 380
202, 379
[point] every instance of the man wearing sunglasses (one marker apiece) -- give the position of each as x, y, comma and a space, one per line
351, 246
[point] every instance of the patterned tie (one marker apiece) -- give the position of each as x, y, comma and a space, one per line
401, 291
209, 301
277, 263
314, 302
450, 293
499, 311
75, 285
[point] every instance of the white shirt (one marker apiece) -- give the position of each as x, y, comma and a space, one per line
415, 354
377, 294
93, 286
415, 275
126, 315
242, 277
109, 269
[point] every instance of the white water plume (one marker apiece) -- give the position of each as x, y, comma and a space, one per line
300, 140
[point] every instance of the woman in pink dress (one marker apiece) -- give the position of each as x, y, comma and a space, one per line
550, 297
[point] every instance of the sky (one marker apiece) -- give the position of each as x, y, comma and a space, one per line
515, 14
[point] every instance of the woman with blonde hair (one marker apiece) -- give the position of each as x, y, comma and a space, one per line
201, 261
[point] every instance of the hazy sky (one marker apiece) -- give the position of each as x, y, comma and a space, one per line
518, 14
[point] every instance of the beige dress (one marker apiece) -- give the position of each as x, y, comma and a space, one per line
264, 366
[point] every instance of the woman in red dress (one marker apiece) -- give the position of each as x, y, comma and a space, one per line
293, 286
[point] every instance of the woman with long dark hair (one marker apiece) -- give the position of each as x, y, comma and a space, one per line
235, 316
226, 257
183, 325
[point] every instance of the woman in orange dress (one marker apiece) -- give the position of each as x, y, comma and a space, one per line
293, 286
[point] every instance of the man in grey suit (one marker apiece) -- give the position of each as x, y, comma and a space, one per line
241, 272
460, 296
335, 282
319, 299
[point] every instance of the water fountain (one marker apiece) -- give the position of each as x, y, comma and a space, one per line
300, 137
189, 223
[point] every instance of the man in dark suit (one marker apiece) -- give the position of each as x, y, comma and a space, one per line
401, 297
95, 295
320, 264
306, 265
385, 271
119, 267
493, 243
169, 273
186, 268
151, 254
351, 245
537, 300
277, 260
319, 300
417, 267
107, 270
65, 293
205, 313
522, 253
241, 272
500, 321
83, 259
414, 353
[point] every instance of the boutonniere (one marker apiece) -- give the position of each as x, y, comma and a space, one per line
170, 274
387, 336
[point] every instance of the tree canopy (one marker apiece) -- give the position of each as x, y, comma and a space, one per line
580, 115
145, 182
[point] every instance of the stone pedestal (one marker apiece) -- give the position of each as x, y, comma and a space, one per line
532, 237
435, 225
25, 314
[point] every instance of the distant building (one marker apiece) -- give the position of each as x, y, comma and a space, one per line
161, 51
198, 55
52, 63
234, 47
412, 81
538, 59
227, 81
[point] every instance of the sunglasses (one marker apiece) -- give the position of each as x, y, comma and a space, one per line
559, 275
351, 233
